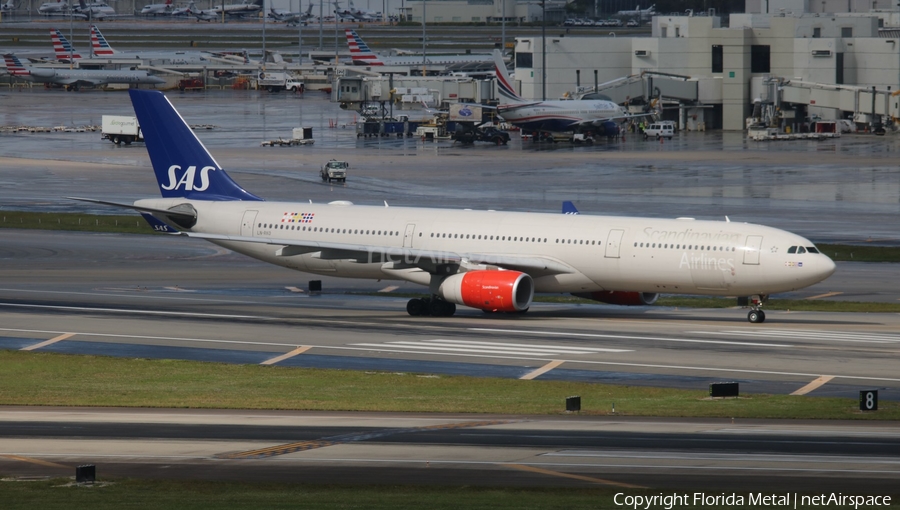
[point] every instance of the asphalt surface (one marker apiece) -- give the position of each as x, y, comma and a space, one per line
160, 297
370, 448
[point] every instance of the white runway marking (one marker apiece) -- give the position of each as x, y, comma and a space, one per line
805, 334
623, 337
490, 347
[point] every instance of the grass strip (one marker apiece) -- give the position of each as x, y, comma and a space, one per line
200, 495
123, 224
35, 378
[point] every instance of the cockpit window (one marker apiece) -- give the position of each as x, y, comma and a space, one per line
801, 250
812, 249
792, 249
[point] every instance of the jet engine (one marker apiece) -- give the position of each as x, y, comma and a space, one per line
620, 298
496, 291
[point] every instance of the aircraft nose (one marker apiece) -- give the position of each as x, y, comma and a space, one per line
825, 267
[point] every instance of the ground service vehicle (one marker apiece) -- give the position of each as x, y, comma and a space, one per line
274, 82
335, 171
484, 134
121, 129
659, 130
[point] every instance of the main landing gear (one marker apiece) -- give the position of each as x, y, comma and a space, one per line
433, 306
756, 315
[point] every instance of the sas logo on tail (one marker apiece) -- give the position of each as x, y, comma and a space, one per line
187, 181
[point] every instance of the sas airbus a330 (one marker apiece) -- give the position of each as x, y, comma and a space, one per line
488, 260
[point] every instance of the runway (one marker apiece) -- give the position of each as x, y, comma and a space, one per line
410, 449
164, 297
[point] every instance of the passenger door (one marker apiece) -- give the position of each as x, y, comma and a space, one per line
408, 235
247, 223
751, 250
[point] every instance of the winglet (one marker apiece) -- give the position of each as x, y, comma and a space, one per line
569, 208
183, 166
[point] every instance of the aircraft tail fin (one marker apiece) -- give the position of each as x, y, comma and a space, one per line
505, 86
14, 66
98, 43
360, 52
62, 48
183, 166
569, 208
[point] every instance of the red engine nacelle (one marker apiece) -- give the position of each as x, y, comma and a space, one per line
496, 291
621, 298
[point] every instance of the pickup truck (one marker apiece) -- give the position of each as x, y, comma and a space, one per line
335, 170
274, 82
483, 134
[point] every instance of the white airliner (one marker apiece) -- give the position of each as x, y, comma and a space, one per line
556, 115
489, 260
643, 13
73, 79
101, 48
361, 54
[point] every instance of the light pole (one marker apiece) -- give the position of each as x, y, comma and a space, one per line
544, 50
321, 47
423, 37
503, 26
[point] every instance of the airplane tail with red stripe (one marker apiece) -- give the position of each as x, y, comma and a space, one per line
505, 86
14, 66
360, 52
62, 48
98, 43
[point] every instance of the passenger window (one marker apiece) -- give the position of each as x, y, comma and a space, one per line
792, 249
801, 250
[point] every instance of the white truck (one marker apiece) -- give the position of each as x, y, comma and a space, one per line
335, 171
121, 129
274, 82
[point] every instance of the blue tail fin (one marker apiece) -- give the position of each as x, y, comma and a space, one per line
183, 166
569, 208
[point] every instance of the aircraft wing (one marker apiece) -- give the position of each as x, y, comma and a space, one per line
77, 81
431, 261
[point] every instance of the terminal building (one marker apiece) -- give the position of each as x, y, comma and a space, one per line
805, 63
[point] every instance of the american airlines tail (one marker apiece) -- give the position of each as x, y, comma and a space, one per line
360, 52
183, 166
98, 43
504, 84
62, 48
14, 66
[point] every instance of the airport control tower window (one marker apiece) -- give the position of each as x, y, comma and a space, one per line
759, 58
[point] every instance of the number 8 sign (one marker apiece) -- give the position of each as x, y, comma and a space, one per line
868, 400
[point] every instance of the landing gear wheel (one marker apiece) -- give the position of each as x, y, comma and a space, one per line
416, 307
441, 308
756, 316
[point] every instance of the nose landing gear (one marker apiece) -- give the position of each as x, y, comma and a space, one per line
756, 315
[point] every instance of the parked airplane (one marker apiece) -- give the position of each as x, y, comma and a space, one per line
59, 9
243, 9
73, 79
8, 7
362, 55
95, 10
555, 115
489, 260
62, 48
643, 13
183, 11
363, 14
101, 48
157, 9
291, 18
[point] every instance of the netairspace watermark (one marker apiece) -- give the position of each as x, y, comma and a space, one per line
734, 500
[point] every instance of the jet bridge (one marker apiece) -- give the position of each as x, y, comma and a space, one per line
647, 85
867, 104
